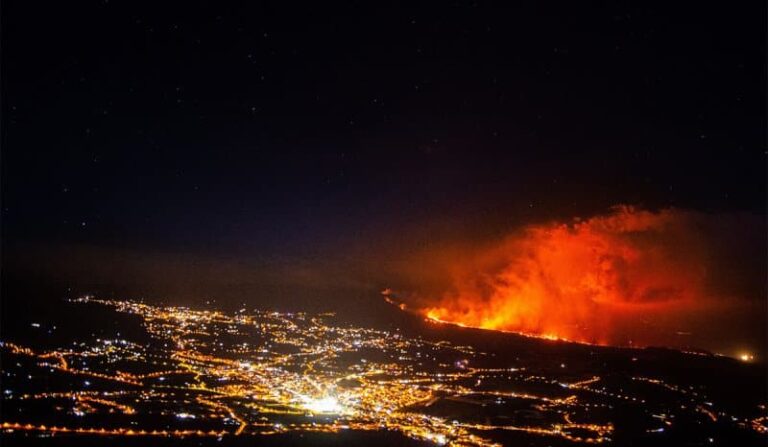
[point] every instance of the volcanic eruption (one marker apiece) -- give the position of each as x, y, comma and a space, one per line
628, 277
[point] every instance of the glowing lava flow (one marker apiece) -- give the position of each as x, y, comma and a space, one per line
605, 280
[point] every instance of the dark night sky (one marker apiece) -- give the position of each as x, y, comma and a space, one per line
285, 133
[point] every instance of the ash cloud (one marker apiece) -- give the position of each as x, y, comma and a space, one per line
670, 277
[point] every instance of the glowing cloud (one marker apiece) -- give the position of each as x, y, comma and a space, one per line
610, 279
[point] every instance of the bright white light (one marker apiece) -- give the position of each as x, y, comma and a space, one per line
746, 357
246, 365
437, 438
327, 404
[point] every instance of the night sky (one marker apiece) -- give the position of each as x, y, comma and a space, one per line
236, 150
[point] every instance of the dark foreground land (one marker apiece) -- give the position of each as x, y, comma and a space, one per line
95, 372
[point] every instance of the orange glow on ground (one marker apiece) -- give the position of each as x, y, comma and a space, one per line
604, 280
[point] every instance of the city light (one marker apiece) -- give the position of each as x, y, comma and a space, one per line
263, 373
746, 357
327, 404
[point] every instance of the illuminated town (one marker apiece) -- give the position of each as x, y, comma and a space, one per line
207, 373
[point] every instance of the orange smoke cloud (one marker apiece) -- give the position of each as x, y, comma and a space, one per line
610, 279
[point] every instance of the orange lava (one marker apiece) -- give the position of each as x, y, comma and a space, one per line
606, 280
